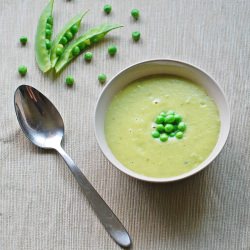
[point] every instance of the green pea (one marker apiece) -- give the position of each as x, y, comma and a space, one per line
102, 78
170, 112
107, 8
163, 137
88, 56
64, 40
74, 29
182, 126
76, 51
50, 20
179, 135
69, 80
82, 46
169, 128
23, 40
155, 134
177, 118
169, 118
175, 128
69, 35
48, 26
48, 33
59, 51
135, 13
112, 50
159, 119
48, 44
136, 35
160, 127
22, 70
163, 114
172, 134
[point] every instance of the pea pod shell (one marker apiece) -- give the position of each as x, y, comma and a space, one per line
74, 21
96, 33
41, 52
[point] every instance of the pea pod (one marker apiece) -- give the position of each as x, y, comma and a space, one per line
93, 35
71, 27
43, 38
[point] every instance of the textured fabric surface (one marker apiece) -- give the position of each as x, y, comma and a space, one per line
41, 205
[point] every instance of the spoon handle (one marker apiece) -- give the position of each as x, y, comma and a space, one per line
109, 220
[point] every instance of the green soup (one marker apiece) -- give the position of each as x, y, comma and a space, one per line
130, 120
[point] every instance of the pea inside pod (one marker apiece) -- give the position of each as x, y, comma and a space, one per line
83, 42
43, 38
64, 37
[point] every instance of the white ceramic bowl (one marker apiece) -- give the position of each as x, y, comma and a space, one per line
152, 67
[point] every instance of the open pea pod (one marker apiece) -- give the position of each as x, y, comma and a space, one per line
92, 36
64, 37
43, 38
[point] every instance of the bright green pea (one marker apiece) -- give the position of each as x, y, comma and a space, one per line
69, 80
48, 26
163, 114
22, 70
74, 29
102, 78
48, 44
88, 56
172, 134
136, 35
76, 51
69, 35
48, 33
135, 13
170, 112
169, 118
159, 119
23, 40
64, 40
50, 20
177, 118
163, 137
182, 126
160, 127
112, 50
107, 8
59, 51
155, 134
179, 135
169, 128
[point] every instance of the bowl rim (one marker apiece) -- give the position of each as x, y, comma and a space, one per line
185, 175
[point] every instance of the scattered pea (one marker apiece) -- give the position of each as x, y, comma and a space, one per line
159, 119
160, 127
163, 137
179, 135
74, 29
22, 70
169, 128
169, 118
112, 50
177, 118
48, 44
155, 134
172, 134
64, 40
69, 80
135, 13
69, 35
163, 114
107, 8
76, 51
182, 126
88, 56
102, 78
136, 35
23, 40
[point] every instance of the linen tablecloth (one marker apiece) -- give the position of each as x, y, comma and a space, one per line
41, 205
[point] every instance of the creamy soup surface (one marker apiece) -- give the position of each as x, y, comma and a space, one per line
130, 120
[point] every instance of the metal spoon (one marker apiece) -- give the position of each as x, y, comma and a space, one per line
43, 125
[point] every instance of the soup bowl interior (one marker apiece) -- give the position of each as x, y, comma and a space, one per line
159, 67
